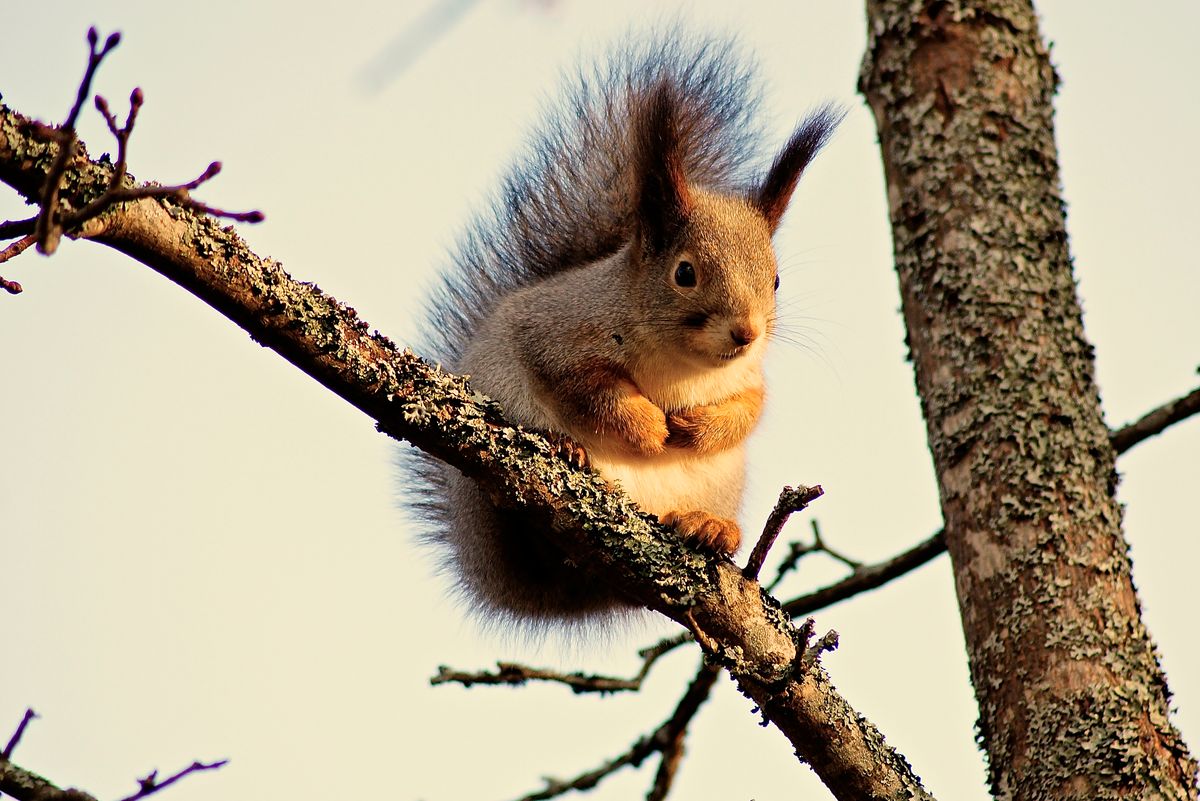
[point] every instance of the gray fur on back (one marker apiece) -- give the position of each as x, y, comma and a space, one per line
570, 197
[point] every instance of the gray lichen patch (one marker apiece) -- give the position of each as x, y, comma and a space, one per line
962, 97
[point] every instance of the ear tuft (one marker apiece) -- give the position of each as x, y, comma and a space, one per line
664, 200
772, 195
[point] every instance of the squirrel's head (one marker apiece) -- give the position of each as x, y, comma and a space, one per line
704, 260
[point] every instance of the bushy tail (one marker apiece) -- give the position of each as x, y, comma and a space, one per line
571, 197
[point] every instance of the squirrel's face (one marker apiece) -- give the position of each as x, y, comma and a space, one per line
710, 293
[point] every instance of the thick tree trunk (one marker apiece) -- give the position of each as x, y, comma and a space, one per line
1073, 703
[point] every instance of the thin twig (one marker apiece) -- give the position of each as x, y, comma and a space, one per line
11, 229
151, 785
810, 651
175, 192
16, 738
824, 548
790, 501
798, 550
94, 59
663, 647
24, 785
17, 247
1156, 421
48, 231
872, 576
516, 675
867, 577
666, 739
11, 287
52, 222
673, 733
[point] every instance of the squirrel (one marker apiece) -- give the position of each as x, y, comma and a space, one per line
620, 292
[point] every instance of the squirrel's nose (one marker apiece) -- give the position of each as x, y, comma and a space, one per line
743, 334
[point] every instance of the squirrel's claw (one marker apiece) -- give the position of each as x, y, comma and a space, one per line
568, 449
711, 533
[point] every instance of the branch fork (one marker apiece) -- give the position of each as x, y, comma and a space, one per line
56, 216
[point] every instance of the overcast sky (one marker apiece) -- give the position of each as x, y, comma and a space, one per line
202, 551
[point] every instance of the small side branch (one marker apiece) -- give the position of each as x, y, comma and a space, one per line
790, 501
16, 738
55, 217
667, 739
516, 675
151, 784
1157, 421
798, 550
868, 577
47, 231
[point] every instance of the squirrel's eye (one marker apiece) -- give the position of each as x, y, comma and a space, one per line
685, 274
777, 282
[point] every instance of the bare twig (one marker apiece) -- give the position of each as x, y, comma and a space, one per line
48, 231
867, 577
672, 734
15, 249
663, 647
11, 229
790, 501
1157, 421
150, 785
16, 738
824, 548
667, 740
811, 651
798, 550
516, 675
52, 221
11, 287
25, 785
870, 577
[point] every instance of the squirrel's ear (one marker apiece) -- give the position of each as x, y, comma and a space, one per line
664, 200
772, 195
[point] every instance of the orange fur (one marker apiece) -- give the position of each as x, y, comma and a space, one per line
715, 427
715, 533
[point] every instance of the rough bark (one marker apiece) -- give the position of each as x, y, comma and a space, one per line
1073, 703
739, 626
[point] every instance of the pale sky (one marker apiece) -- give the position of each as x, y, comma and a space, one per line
203, 552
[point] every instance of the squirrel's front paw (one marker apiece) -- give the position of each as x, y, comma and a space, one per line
642, 426
714, 533
687, 427
568, 449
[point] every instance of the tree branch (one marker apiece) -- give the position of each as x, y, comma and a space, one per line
869, 577
516, 675
16, 737
150, 785
790, 501
25, 785
667, 740
1156, 421
739, 626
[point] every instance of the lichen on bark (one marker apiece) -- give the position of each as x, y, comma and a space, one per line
740, 626
1072, 700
